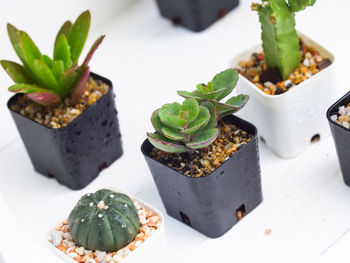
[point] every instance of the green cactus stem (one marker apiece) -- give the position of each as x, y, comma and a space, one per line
279, 36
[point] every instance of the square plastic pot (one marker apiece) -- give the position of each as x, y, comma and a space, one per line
154, 249
210, 204
289, 122
341, 136
195, 15
74, 154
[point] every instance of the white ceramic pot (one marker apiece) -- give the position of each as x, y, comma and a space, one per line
288, 122
154, 249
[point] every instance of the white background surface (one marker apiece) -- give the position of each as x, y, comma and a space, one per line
306, 204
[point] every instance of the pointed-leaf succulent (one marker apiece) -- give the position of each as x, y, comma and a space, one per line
47, 81
279, 37
193, 125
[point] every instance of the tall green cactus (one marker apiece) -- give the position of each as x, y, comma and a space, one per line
279, 37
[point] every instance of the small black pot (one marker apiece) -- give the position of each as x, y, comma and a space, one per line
196, 15
74, 154
210, 204
341, 137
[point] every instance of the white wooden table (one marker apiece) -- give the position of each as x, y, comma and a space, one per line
306, 204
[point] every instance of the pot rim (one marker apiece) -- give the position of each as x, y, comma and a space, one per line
331, 109
299, 86
66, 258
90, 108
255, 137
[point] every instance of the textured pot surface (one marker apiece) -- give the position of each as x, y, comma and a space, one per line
196, 15
288, 122
153, 249
209, 204
341, 137
74, 154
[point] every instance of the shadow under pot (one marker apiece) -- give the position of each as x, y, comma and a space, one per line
341, 136
195, 15
214, 203
74, 154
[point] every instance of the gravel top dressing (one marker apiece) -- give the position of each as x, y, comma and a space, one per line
204, 161
342, 117
61, 115
269, 80
62, 240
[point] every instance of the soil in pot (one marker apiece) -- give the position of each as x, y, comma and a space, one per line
59, 116
62, 240
269, 80
204, 161
342, 116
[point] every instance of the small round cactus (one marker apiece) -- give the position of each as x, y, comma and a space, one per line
105, 221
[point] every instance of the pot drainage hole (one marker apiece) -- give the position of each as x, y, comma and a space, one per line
240, 212
185, 219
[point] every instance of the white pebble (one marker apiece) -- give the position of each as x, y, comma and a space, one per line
111, 195
267, 84
334, 117
91, 204
306, 62
67, 236
56, 237
73, 255
308, 74
346, 124
342, 110
80, 251
100, 215
100, 255
117, 258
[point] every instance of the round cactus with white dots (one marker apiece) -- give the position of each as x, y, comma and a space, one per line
105, 221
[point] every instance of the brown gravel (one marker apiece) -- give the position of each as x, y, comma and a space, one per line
268, 80
342, 117
62, 240
204, 161
61, 115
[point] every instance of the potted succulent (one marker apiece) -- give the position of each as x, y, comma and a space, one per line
196, 15
338, 116
65, 115
109, 226
284, 79
203, 159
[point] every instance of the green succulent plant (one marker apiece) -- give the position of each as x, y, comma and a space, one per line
193, 125
47, 81
279, 36
217, 89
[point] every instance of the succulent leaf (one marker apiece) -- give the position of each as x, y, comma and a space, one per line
190, 109
156, 122
64, 30
206, 138
47, 60
61, 51
164, 144
44, 74
14, 35
195, 94
30, 50
78, 35
16, 71
169, 115
201, 120
80, 83
214, 115
93, 49
45, 98
232, 105
67, 79
57, 69
173, 135
225, 81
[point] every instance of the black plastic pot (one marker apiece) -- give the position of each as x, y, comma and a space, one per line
196, 15
74, 154
211, 204
341, 137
